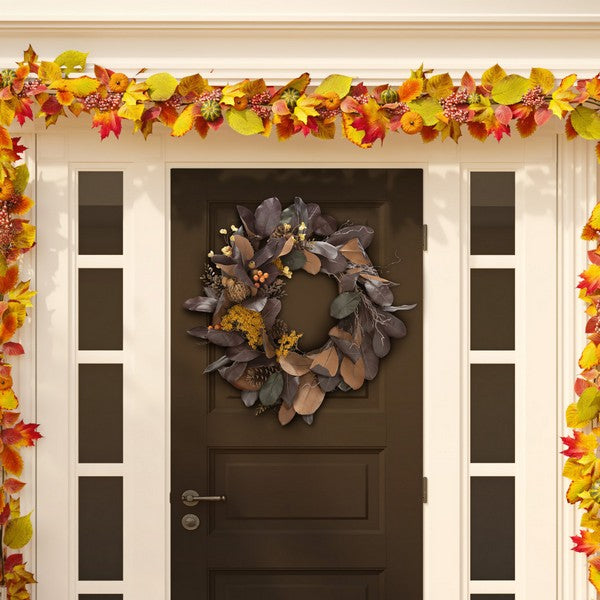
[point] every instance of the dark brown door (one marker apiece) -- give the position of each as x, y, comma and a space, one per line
331, 511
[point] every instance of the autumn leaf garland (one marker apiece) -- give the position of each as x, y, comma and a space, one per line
427, 104
17, 236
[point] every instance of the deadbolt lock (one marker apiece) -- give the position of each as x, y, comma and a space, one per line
190, 522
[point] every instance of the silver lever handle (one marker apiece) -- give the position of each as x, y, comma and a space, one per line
191, 498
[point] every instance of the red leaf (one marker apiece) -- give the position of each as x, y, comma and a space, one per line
4, 514
107, 121
13, 486
587, 542
527, 125
12, 560
478, 130
503, 114
13, 349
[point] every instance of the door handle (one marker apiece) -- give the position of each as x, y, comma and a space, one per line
191, 498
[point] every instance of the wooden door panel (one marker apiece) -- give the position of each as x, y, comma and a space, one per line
290, 585
336, 504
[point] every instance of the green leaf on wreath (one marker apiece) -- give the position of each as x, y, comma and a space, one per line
345, 304
294, 260
428, 108
271, 390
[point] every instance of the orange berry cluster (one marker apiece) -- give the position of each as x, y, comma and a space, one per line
217, 326
259, 277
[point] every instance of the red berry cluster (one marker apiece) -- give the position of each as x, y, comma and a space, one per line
112, 101
534, 98
456, 106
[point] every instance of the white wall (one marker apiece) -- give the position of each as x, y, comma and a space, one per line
336, 10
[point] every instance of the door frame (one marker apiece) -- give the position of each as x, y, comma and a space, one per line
443, 194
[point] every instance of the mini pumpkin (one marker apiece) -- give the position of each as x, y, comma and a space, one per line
6, 382
118, 82
411, 122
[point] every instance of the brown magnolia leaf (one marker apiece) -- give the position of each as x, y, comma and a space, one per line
353, 373
268, 345
295, 364
338, 332
353, 251
310, 395
288, 246
286, 413
228, 270
244, 246
326, 362
312, 264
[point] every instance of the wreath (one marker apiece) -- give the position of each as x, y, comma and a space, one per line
243, 288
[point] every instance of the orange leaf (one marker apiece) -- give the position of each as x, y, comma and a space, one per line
353, 373
579, 445
478, 130
429, 133
590, 279
354, 252
295, 364
312, 264
570, 132
11, 460
326, 362
410, 90
108, 122
286, 413
9, 280
309, 396
13, 486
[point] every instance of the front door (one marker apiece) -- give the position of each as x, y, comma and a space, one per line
331, 510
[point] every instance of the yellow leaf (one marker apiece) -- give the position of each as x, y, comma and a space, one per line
246, 122
440, 86
543, 78
49, 72
81, 86
18, 532
7, 112
594, 577
589, 356
8, 400
71, 60
492, 76
22, 294
576, 488
572, 417
133, 112
185, 120
161, 86
340, 84
352, 134
305, 107
193, 84
135, 92
594, 220
231, 92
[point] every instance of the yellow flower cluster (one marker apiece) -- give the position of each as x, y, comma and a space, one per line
249, 322
286, 342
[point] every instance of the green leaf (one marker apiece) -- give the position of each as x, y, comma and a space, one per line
21, 178
510, 89
294, 260
428, 108
271, 390
586, 122
340, 84
345, 304
71, 60
588, 404
18, 532
246, 122
161, 86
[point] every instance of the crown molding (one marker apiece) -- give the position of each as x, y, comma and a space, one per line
383, 22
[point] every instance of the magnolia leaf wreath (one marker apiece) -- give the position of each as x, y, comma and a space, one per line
243, 290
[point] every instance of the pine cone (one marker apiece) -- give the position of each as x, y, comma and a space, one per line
280, 328
238, 292
258, 375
